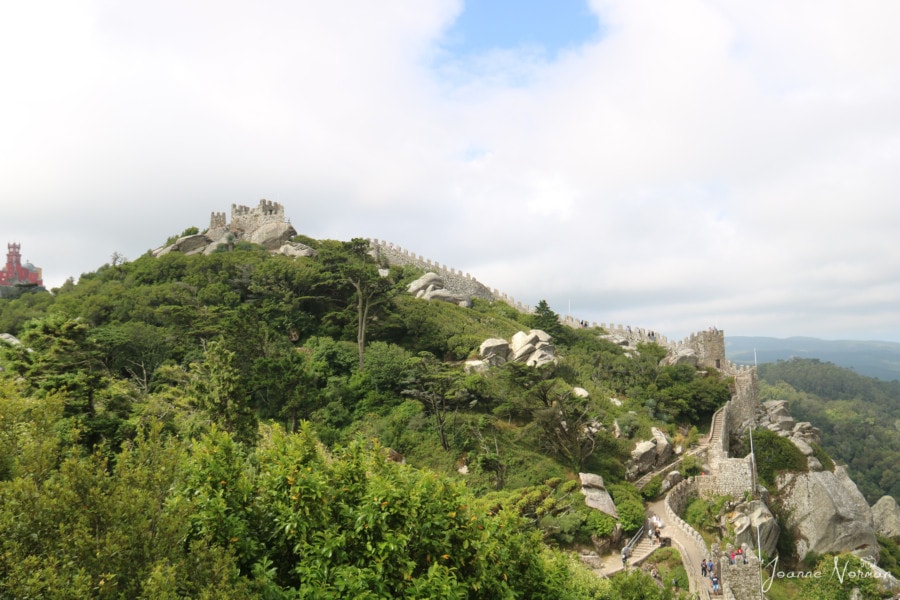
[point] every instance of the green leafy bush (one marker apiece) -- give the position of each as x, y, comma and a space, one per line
774, 455
653, 487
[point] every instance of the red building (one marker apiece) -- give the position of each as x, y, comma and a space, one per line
15, 272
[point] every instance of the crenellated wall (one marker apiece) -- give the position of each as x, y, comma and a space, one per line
732, 476
244, 218
454, 280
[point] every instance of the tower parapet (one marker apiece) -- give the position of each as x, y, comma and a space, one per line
244, 218
217, 220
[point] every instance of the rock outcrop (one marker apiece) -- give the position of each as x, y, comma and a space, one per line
754, 521
595, 494
10, 339
264, 225
682, 356
828, 512
532, 348
430, 286
886, 515
774, 416
649, 454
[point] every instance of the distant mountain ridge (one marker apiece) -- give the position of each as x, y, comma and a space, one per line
870, 358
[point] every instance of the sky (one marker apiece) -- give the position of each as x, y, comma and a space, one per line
668, 165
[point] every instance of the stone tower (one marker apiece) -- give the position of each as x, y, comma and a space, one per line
710, 348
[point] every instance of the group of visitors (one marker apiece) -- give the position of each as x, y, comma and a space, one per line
708, 568
654, 523
737, 555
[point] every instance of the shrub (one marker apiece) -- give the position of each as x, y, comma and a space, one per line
691, 466
653, 488
774, 455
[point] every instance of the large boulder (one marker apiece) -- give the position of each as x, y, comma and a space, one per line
271, 236
886, 515
430, 286
828, 512
421, 284
752, 522
523, 340
663, 447
296, 249
643, 459
649, 454
595, 494
682, 356
540, 357
494, 351
532, 348
189, 244
10, 339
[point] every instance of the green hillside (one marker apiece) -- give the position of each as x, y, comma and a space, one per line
248, 425
859, 417
869, 358
219, 426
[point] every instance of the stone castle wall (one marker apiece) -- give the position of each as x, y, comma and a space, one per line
733, 477
676, 501
741, 582
244, 218
740, 411
454, 280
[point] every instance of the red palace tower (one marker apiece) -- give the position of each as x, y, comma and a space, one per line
15, 272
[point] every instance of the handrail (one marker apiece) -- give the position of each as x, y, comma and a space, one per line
636, 537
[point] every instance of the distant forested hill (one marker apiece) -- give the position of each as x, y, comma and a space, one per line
874, 359
859, 417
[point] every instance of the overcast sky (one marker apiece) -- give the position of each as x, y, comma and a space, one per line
671, 165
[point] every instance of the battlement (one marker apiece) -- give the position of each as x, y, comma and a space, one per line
454, 279
244, 218
217, 220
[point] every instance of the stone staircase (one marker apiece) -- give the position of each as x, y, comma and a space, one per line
639, 553
642, 550
671, 466
715, 439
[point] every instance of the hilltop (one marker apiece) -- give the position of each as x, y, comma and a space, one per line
225, 418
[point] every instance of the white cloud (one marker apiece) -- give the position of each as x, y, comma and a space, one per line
704, 161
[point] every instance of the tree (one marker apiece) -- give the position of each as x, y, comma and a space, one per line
546, 320
284, 385
438, 387
353, 270
219, 390
571, 425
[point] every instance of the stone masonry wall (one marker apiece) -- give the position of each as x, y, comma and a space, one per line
741, 410
740, 581
675, 503
733, 478
244, 218
454, 280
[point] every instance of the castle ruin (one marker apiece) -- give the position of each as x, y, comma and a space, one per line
264, 224
245, 219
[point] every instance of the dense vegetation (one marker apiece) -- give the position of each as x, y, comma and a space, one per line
859, 417
220, 426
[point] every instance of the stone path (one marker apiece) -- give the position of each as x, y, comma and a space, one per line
691, 553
